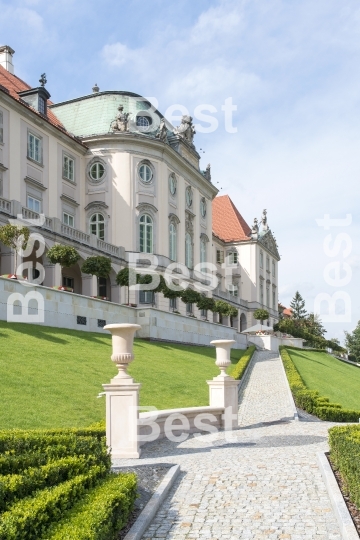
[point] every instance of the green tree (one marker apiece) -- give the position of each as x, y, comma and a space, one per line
16, 238
125, 278
261, 315
66, 256
352, 342
206, 303
297, 305
189, 296
313, 325
98, 266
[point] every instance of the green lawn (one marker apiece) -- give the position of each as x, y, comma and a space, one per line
51, 377
332, 378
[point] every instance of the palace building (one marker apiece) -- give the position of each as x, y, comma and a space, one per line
113, 177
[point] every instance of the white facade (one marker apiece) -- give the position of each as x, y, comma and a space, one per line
113, 177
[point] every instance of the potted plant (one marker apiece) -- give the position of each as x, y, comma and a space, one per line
66, 256
16, 238
98, 266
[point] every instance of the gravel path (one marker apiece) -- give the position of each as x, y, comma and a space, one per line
260, 481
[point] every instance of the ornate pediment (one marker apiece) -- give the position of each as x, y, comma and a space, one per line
268, 241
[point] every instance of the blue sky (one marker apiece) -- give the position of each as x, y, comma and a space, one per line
291, 68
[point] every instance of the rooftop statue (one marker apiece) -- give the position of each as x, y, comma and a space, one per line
162, 133
255, 229
264, 221
186, 129
121, 122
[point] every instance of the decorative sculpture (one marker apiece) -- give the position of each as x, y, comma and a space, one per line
208, 172
121, 122
186, 129
255, 229
43, 79
264, 220
162, 133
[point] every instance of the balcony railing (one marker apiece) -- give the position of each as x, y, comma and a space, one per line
5, 205
30, 214
109, 248
75, 234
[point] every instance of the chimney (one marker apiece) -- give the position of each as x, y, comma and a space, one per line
6, 54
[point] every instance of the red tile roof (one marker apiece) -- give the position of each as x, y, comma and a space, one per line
287, 312
11, 84
227, 222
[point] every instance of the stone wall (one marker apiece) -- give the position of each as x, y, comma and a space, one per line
68, 310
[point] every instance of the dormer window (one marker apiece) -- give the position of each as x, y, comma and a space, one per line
36, 98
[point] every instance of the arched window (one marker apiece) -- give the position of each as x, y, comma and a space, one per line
202, 250
172, 241
188, 251
146, 234
97, 226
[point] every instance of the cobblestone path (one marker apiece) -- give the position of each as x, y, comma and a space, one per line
262, 483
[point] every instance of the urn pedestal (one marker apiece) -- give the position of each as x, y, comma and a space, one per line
122, 396
223, 389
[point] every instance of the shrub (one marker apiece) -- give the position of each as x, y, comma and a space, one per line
344, 444
102, 513
310, 400
28, 518
17, 486
240, 367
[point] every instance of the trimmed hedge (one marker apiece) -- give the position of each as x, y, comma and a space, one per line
243, 363
14, 487
101, 514
29, 518
344, 444
310, 400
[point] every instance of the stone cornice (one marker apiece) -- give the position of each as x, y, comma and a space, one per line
94, 204
69, 200
34, 183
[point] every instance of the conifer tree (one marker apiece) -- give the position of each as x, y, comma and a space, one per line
297, 305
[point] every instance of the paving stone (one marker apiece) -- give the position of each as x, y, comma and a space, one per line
260, 481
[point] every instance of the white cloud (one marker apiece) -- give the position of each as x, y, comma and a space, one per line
117, 54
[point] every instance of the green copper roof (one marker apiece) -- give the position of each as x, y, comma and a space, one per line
93, 114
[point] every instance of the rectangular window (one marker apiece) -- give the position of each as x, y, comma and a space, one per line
273, 299
68, 282
233, 290
34, 204
233, 257
146, 297
261, 293
267, 297
189, 308
267, 264
261, 259
102, 287
219, 256
1, 127
81, 320
68, 219
68, 168
42, 106
173, 304
273, 268
34, 148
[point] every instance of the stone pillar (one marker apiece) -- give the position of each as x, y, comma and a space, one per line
223, 389
7, 261
122, 396
89, 285
53, 276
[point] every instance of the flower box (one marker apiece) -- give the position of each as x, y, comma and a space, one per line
62, 288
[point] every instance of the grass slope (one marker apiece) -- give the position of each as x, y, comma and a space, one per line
51, 377
332, 378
